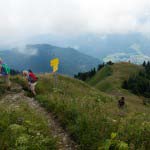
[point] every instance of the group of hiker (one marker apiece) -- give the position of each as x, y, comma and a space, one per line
28, 74
32, 80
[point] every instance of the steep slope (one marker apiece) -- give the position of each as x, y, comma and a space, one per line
37, 57
26, 114
110, 78
22, 126
91, 116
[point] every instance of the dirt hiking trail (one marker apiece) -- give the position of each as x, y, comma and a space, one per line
64, 140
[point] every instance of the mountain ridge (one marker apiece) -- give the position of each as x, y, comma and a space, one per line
37, 57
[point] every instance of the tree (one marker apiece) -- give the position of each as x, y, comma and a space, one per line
144, 63
100, 66
89, 74
110, 63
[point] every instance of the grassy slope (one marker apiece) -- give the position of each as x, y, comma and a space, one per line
21, 127
110, 78
112, 84
100, 76
78, 106
89, 115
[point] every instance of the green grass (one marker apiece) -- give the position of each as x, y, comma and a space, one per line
91, 116
110, 78
112, 85
100, 75
22, 127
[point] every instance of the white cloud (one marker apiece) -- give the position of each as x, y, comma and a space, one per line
26, 50
24, 18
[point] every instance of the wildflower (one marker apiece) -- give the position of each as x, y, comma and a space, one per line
38, 134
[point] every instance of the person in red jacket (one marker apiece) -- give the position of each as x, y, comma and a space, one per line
32, 80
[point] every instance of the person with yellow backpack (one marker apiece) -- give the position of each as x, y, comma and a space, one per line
5, 73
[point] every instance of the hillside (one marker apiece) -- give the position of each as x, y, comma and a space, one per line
110, 78
38, 56
75, 111
23, 126
91, 116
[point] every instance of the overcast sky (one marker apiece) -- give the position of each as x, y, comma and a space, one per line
24, 18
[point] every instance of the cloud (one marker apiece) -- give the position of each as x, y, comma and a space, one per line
136, 47
24, 18
27, 51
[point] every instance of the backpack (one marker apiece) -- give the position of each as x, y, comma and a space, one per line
32, 78
5, 69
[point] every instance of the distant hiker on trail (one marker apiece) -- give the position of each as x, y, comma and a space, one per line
32, 80
121, 102
5, 73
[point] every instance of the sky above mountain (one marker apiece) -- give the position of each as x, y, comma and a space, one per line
21, 19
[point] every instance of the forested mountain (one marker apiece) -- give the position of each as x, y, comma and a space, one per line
37, 57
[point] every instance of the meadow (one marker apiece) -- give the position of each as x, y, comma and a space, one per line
91, 117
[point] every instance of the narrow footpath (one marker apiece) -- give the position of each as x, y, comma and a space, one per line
64, 141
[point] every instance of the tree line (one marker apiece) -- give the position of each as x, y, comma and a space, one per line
89, 74
14, 72
139, 84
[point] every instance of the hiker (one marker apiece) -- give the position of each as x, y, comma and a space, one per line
5, 73
121, 102
32, 80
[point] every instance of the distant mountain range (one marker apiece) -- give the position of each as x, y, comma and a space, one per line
104, 46
133, 47
37, 57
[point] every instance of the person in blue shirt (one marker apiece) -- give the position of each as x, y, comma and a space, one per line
5, 73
